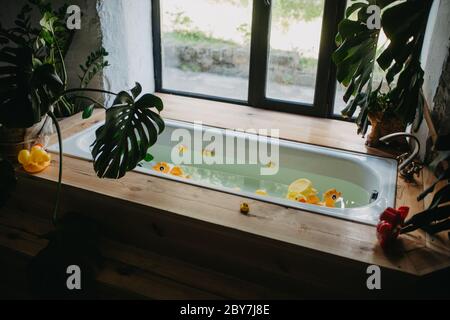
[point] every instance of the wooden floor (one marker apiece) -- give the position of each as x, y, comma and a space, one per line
201, 232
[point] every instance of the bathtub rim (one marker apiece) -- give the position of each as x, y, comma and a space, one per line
331, 212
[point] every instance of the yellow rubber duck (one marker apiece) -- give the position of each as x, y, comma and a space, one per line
182, 149
162, 167
270, 164
261, 192
302, 190
35, 160
329, 198
244, 208
177, 171
208, 153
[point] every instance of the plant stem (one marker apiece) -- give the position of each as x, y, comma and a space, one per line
87, 90
58, 190
92, 100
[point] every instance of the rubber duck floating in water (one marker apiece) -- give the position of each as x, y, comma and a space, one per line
329, 198
164, 167
182, 149
302, 190
35, 160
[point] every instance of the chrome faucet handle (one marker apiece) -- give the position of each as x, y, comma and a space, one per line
403, 163
411, 170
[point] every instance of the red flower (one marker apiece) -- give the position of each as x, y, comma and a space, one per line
391, 222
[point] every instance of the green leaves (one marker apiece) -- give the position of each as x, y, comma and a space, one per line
26, 92
436, 217
94, 64
402, 56
356, 58
87, 112
131, 128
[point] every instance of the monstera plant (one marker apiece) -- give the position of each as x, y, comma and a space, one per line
34, 92
391, 103
33, 83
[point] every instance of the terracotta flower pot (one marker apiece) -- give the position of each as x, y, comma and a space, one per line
382, 125
13, 140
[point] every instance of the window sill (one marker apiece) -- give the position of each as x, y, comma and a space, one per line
330, 133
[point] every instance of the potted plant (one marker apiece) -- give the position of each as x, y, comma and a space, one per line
34, 92
33, 79
383, 83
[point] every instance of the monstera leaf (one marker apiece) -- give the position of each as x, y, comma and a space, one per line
27, 87
402, 56
357, 56
131, 128
355, 59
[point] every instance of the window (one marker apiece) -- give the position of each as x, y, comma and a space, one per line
294, 50
273, 54
206, 47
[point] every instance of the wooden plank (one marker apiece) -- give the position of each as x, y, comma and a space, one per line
214, 213
309, 230
439, 242
318, 131
159, 279
189, 274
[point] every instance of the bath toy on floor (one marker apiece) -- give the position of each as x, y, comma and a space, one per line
329, 198
261, 192
245, 209
34, 161
162, 167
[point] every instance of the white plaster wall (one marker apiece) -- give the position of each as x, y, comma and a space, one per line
435, 51
127, 35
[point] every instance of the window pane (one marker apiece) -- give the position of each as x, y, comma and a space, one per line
206, 46
294, 49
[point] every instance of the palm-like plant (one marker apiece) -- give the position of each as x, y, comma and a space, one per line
33, 81
358, 56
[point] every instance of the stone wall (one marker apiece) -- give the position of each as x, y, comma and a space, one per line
231, 60
441, 110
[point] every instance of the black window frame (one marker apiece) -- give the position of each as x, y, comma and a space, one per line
325, 87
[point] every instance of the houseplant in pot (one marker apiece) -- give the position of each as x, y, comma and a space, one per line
33, 75
34, 87
393, 101
28, 57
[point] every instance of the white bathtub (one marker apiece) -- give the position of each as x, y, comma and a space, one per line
368, 183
